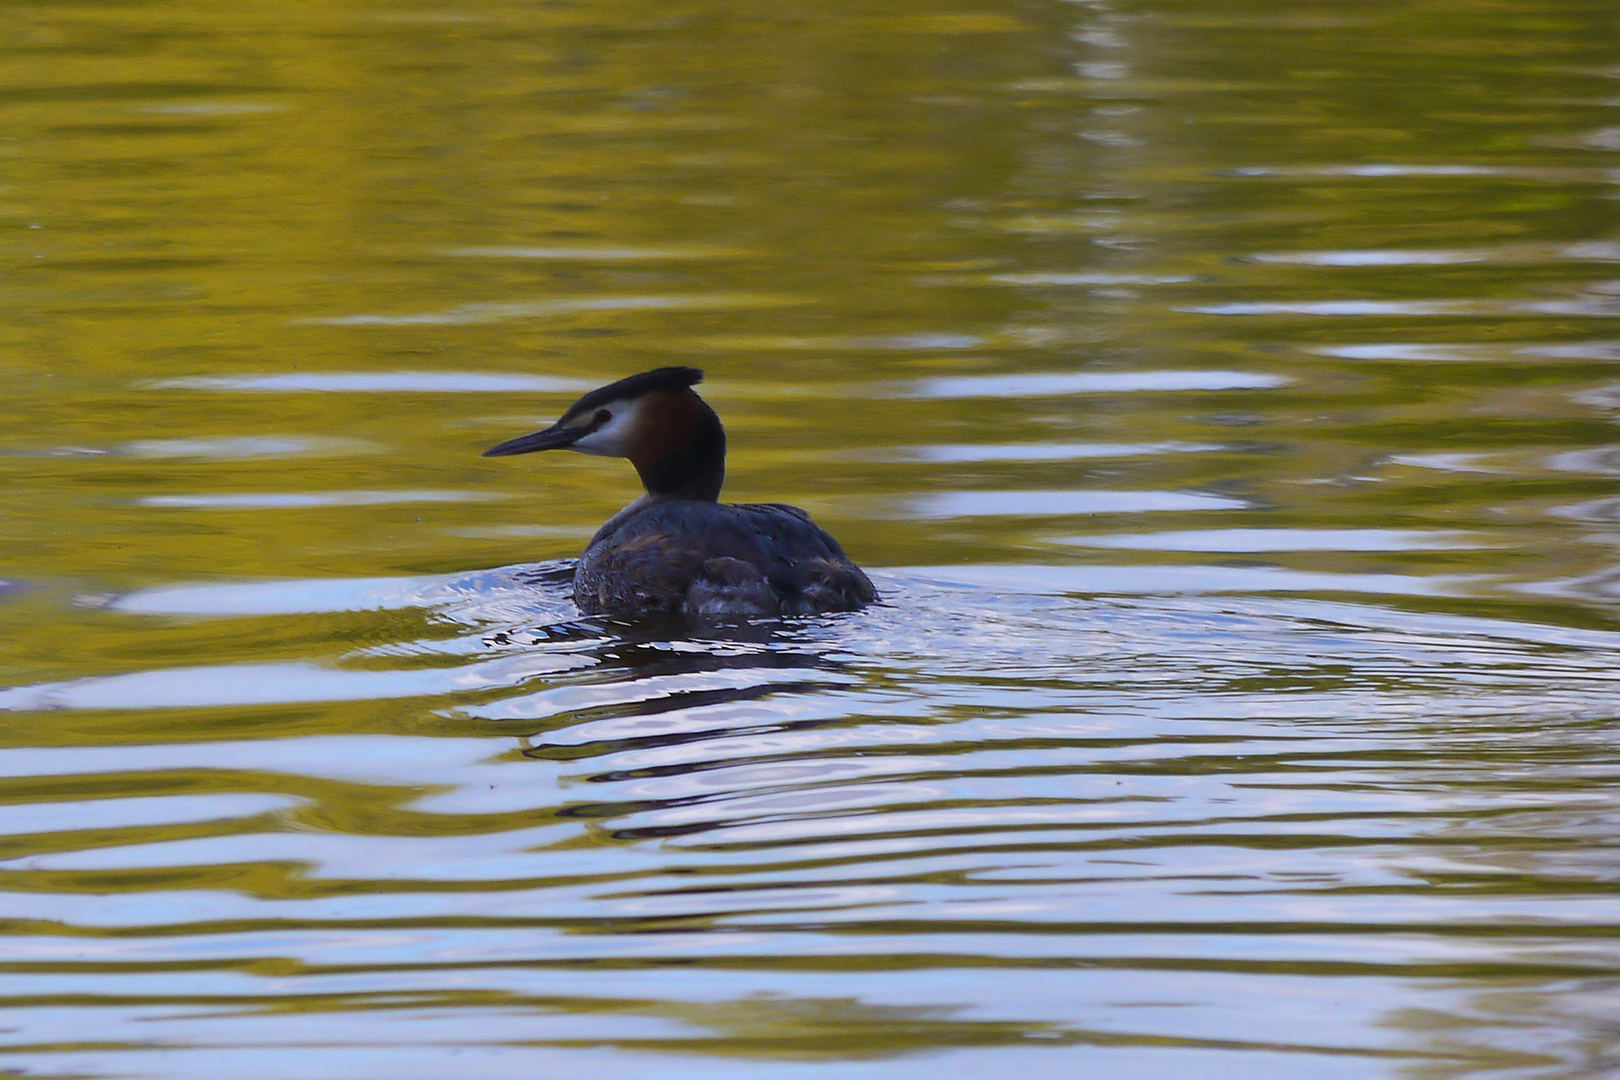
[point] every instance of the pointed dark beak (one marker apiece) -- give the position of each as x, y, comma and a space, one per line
554, 437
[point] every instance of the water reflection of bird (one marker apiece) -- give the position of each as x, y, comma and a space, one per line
678, 548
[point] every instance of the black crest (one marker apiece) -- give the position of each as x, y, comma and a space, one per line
664, 378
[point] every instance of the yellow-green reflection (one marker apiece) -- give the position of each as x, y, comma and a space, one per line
1222, 392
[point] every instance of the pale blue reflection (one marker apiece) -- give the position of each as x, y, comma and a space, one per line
1114, 935
1402, 352
473, 314
1186, 579
283, 683
212, 108
1087, 278
525, 591
1060, 503
562, 700
306, 499
521, 595
597, 254
311, 595
420, 1044
1586, 305
1453, 463
1601, 460
1338, 307
383, 382
1388, 169
1089, 382
963, 452
1596, 251
136, 812
1413, 257
1473, 352
1584, 350
487, 856
403, 760
228, 449
1235, 540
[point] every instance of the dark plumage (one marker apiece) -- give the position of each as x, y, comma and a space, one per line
634, 386
677, 548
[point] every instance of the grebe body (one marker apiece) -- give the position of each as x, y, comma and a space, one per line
678, 548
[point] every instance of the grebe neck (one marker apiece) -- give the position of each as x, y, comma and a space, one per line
686, 459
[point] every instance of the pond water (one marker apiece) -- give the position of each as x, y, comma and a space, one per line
1223, 395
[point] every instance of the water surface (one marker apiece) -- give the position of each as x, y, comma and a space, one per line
1222, 394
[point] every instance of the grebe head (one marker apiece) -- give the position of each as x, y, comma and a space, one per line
655, 419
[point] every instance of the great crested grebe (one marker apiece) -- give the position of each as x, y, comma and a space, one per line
677, 548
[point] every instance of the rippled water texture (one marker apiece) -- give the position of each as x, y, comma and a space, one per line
1223, 395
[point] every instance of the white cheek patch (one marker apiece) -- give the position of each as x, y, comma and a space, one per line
612, 439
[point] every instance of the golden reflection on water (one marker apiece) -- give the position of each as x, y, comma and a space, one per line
1222, 394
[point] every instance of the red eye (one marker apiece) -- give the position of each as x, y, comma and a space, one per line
602, 417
